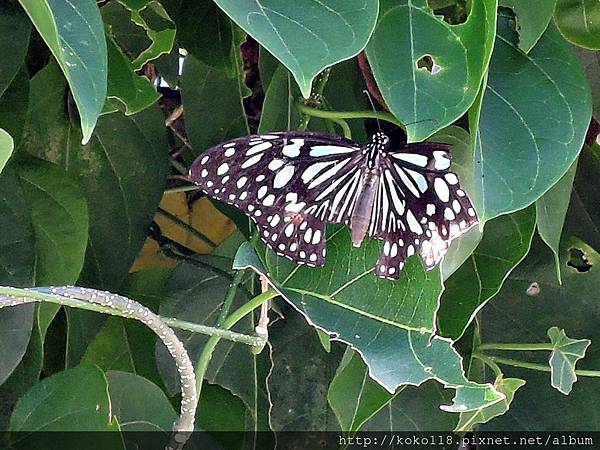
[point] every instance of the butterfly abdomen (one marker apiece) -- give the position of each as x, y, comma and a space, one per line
361, 213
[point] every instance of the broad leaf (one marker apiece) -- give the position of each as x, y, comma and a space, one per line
392, 331
195, 293
15, 29
564, 356
508, 386
519, 153
6, 147
15, 329
75, 35
206, 125
73, 400
415, 56
212, 43
14, 105
551, 210
414, 409
353, 396
306, 36
296, 352
533, 17
506, 241
59, 216
138, 404
579, 22
121, 172
591, 63
17, 243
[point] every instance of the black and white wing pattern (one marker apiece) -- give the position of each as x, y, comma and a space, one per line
291, 184
419, 207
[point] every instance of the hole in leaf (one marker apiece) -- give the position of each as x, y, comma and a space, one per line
579, 260
453, 12
429, 64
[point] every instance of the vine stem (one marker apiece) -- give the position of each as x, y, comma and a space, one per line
539, 367
342, 115
489, 362
7, 294
518, 347
227, 323
184, 425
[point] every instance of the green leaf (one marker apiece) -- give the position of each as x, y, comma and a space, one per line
506, 241
59, 215
195, 293
15, 30
75, 35
393, 331
533, 17
306, 36
551, 210
564, 356
17, 243
138, 404
519, 154
110, 349
518, 315
296, 352
73, 400
212, 43
508, 386
279, 112
353, 396
15, 329
6, 147
121, 172
414, 409
591, 64
579, 22
14, 105
134, 91
206, 124
407, 32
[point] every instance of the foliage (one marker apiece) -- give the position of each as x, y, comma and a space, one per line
93, 192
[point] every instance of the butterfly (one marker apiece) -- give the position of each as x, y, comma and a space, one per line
293, 183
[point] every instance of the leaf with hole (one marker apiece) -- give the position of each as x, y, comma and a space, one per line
532, 17
429, 72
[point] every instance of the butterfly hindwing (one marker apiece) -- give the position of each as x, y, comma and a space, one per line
419, 207
290, 184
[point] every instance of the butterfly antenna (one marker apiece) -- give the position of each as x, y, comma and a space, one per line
368, 94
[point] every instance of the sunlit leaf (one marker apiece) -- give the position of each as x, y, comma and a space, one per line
75, 35
415, 56
6, 148
306, 36
564, 356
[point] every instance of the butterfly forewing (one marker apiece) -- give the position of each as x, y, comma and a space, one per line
419, 207
290, 184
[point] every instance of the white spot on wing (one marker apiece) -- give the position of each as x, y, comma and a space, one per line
283, 177
441, 189
251, 161
441, 160
413, 158
292, 150
324, 150
275, 164
258, 148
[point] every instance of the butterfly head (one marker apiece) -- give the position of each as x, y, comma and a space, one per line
380, 140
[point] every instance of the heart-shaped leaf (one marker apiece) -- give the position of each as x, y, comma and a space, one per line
534, 115
306, 36
415, 56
